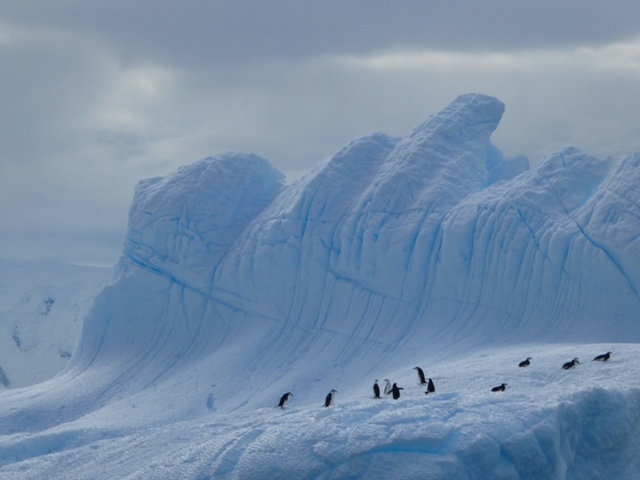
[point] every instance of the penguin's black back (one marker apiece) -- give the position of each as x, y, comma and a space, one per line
603, 358
284, 399
395, 390
570, 364
421, 375
431, 387
329, 398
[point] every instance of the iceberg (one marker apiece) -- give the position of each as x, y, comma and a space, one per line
435, 248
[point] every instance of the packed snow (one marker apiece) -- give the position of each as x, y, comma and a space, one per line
431, 250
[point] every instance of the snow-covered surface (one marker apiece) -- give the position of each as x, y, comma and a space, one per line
42, 307
432, 250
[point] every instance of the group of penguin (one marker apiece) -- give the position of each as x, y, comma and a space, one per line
389, 389
394, 390
566, 366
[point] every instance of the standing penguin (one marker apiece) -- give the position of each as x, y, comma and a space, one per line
376, 390
395, 390
431, 388
284, 399
571, 364
420, 375
499, 388
329, 400
602, 358
525, 363
387, 387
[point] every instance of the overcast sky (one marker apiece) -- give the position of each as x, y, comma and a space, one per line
96, 95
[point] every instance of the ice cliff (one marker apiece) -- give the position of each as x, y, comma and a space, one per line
435, 238
389, 245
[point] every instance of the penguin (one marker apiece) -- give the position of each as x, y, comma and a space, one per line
602, 358
430, 388
329, 400
387, 387
396, 391
525, 363
376, 390
571, 364
420, 375
499, 388
284, 399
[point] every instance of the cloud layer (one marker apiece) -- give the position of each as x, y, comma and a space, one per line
98, 95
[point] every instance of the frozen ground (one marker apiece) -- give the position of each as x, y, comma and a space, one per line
548, 423
429, 250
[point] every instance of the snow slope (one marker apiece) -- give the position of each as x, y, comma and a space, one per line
42, 306
431, 249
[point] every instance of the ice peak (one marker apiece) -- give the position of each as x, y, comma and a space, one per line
470, 116
187, 220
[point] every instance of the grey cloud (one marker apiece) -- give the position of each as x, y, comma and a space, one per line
98, 95
48, 84
204, 32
